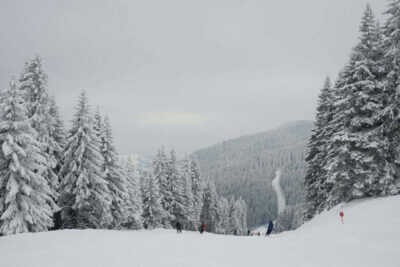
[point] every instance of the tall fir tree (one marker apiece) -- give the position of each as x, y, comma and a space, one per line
197, 191
153, 211
57, 135
162, 178
26, 202
191, 222
234, 217
84, 189
178, 207
242, 216
135, 203
33, 84
315, 178
356, 152
209, 213
390, 183
117, 184
223, 209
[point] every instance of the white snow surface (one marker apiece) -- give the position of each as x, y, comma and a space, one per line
276, 185
369, 237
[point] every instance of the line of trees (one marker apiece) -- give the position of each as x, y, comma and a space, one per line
175, 192
51, 178
354, 148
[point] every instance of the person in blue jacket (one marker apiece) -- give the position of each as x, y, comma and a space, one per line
270, 228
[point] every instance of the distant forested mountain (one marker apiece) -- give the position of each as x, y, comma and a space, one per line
246, 167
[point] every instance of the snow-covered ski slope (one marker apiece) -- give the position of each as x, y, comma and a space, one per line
369, 237
276, 185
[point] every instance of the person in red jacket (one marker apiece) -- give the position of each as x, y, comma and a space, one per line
202, 228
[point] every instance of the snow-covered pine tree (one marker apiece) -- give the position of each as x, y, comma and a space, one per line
161, 177
356, 155
223, 223
33, 84
191, 223
197, 192
390, 183
135, 204
57, 134
317, 149
117, 184
178, 207
234, 217
26, 201
153, 212
85, 196
242, 216
209, 213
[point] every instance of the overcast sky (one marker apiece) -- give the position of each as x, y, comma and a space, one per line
183, 73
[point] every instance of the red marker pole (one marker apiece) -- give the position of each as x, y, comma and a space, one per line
341, 214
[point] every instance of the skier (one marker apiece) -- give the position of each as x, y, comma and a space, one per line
248, 232
270, 228
202, 228
341, 214
178, 227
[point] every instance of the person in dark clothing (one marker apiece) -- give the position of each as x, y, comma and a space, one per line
270, 228
248, 232
178, 227
202, 228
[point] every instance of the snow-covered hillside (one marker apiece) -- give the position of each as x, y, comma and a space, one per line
245, 167
369, 236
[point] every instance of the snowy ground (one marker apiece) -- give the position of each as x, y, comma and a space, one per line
370, 236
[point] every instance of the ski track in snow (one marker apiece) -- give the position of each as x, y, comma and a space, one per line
276, 185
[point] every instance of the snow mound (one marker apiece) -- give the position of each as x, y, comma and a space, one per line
369, 237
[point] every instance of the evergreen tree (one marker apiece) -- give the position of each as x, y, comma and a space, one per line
153, 212
113, 173
356, 153
161, 176
317, 151
191, 222
57, 136
390, 183
26, 199
223, 210
197, 191
234, 217
33, 84
178, 207
135, 205
209, 213
84, 189
242, 216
